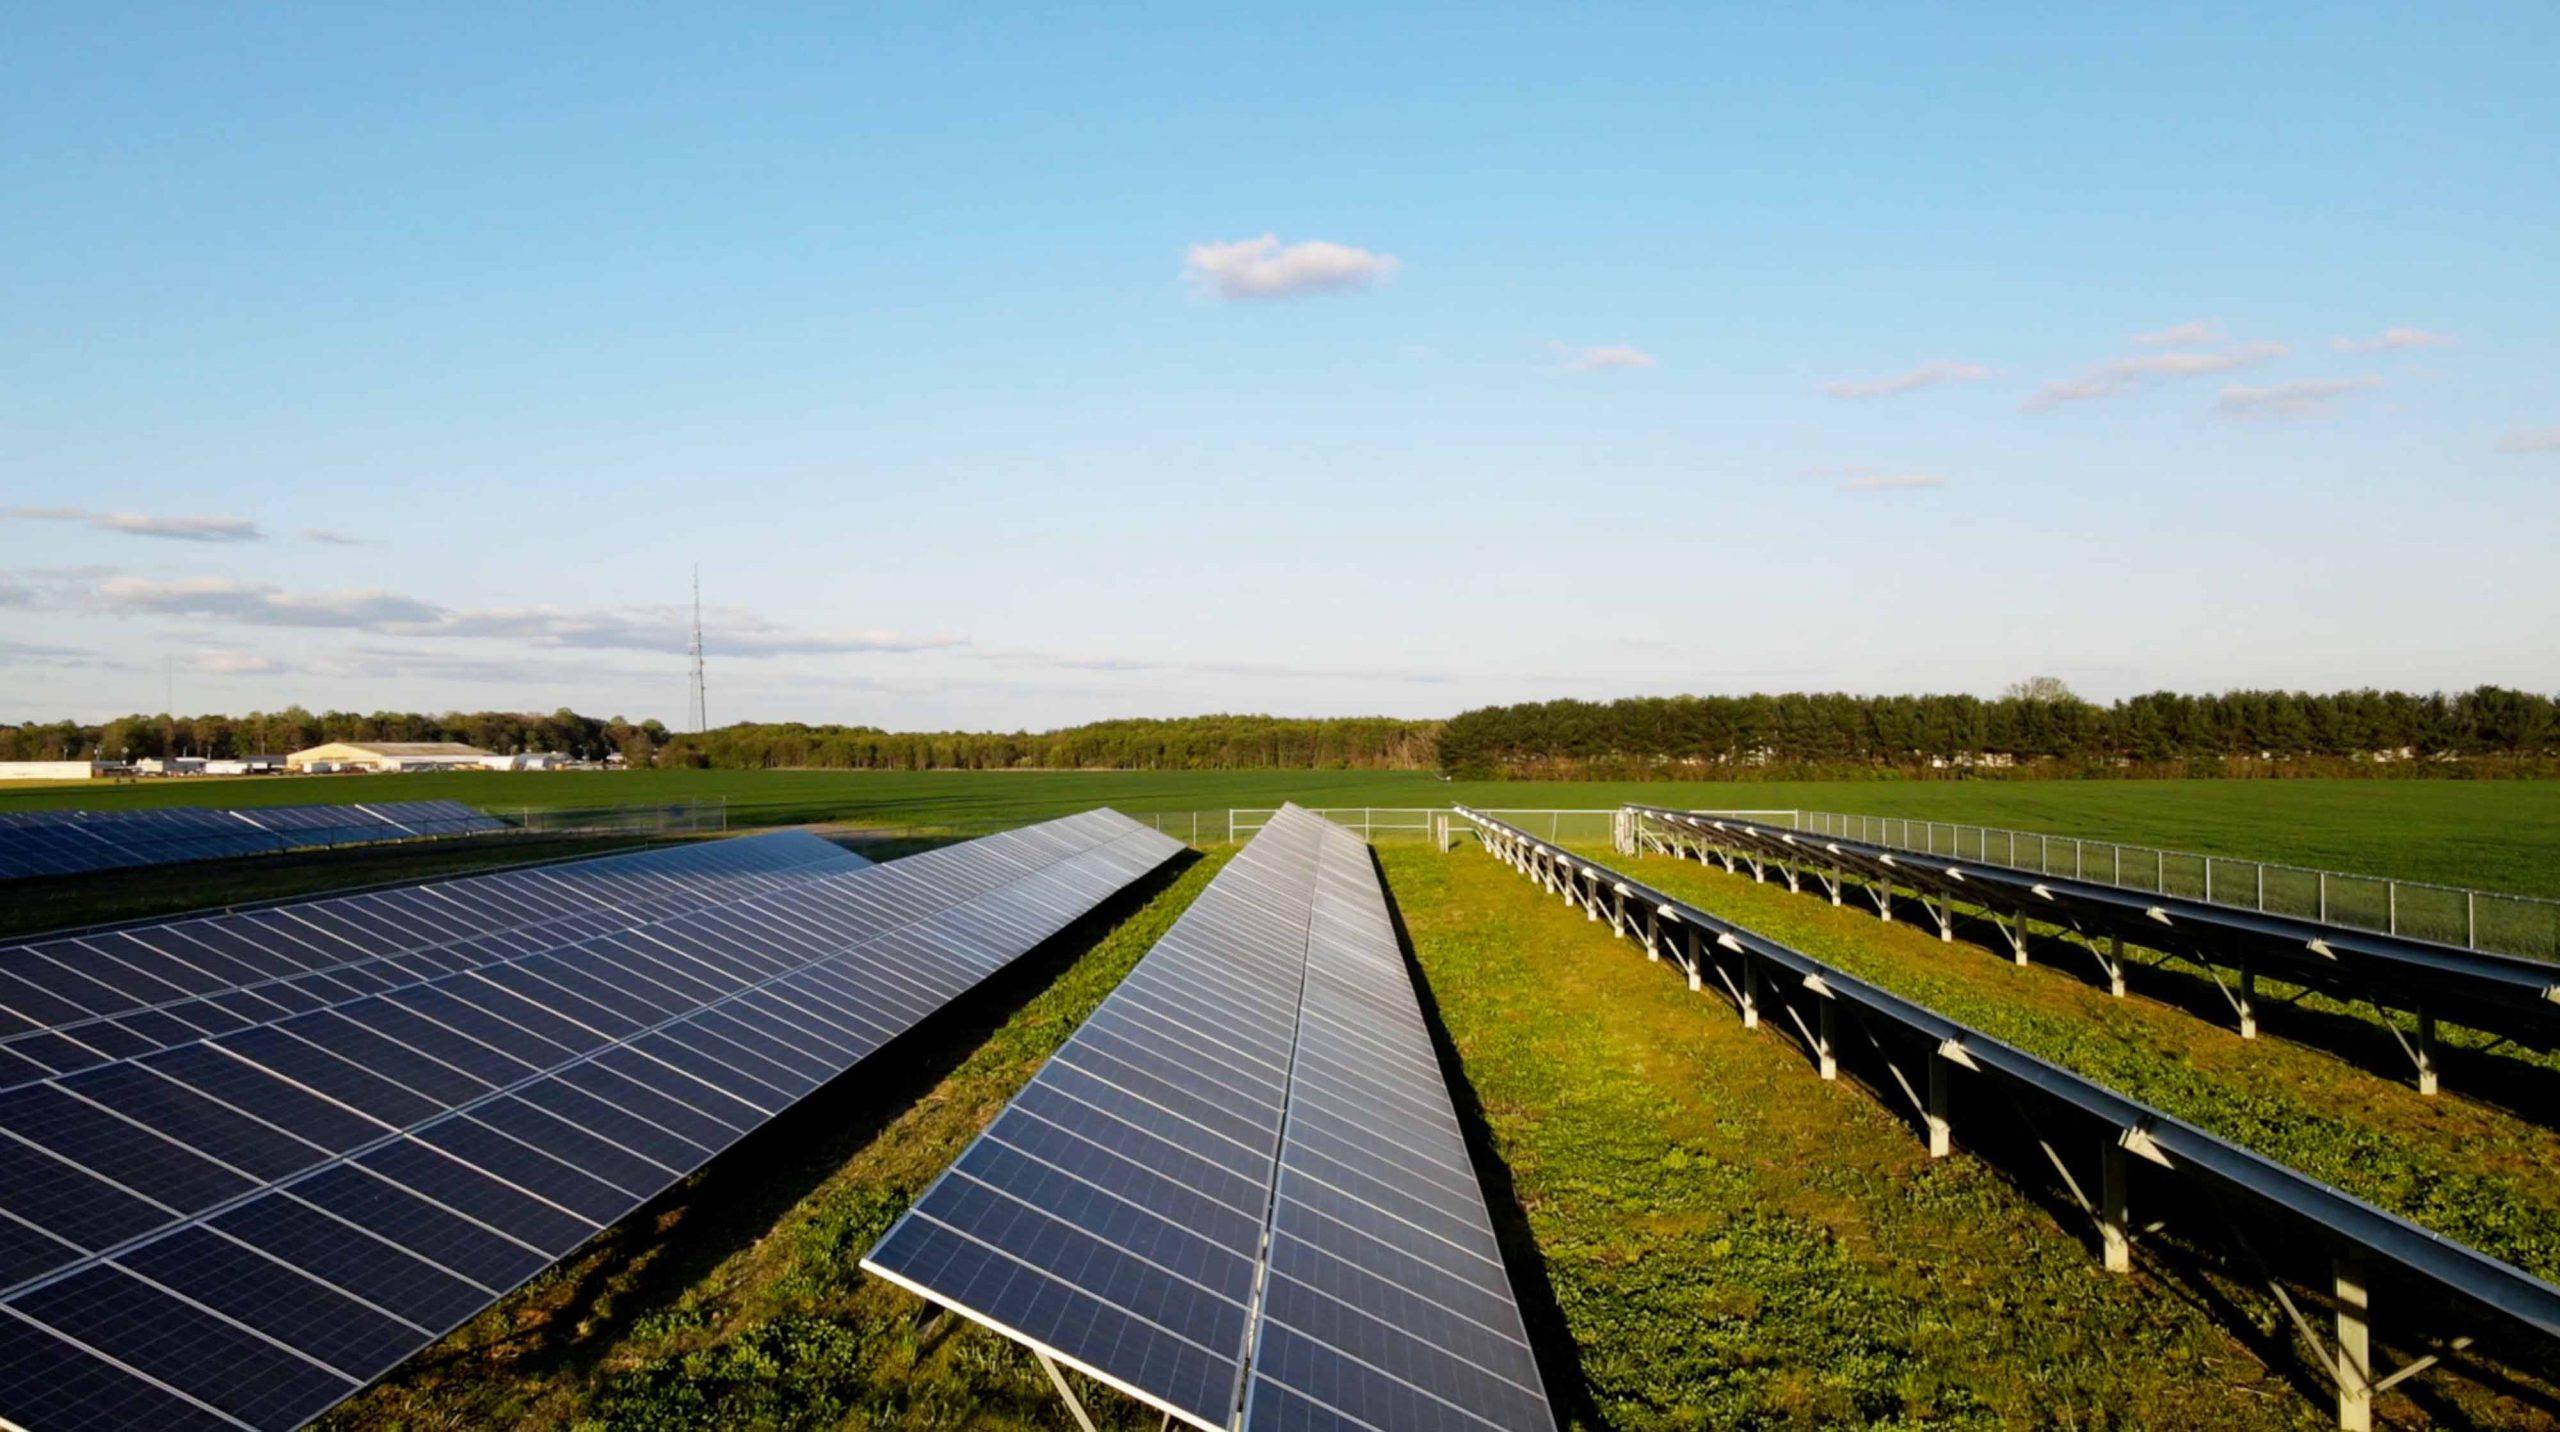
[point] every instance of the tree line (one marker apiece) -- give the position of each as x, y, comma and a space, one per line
2037, 728
1189, 744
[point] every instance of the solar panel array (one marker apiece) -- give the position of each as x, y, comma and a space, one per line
249, 1163
1240, 1189
74, 842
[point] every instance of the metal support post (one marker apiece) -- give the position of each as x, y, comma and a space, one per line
1827, 1021
2115, 1244
2115, 965
1940, 1129
2426, 1052
1695, 956
1750, 993
1653, 936
1066, 1394
2248, 1002
2355, 1345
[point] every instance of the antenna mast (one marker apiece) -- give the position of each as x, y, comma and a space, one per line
701, 706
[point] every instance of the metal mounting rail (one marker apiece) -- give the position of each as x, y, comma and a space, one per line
2511, 997
2136, 1149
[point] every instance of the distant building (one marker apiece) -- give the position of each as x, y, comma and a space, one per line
388, 756
54, 770
527, 761
244, 766
171, 765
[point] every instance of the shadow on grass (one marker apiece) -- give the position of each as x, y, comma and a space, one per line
646, 1262
2519, 1086
1559, 1360
2202, 1257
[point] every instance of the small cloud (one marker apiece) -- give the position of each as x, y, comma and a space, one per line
1927, 375
137, 524
331, 538
1266, 268
2308, 398
2391, 340
2126, 374
1604, 358
2202, 330
2531, 440
1892, 482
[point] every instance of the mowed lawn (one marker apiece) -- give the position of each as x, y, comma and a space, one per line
2502, 835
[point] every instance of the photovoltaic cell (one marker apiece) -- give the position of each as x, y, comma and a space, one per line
1240, 1190
239, 1228
73, 842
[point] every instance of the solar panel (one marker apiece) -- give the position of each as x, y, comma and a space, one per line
242, 1229
72, 842
1241, 1183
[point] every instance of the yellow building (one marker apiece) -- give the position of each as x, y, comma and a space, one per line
387, 756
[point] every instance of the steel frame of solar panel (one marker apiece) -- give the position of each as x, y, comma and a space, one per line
241, 1228
74, 842
1239, 1192
2509, 996
2136, 1147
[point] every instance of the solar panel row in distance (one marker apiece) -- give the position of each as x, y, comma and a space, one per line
241, 1230
1240, 1189
80, 1000
73, 842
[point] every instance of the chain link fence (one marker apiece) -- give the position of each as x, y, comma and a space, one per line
706, 816
2486, 920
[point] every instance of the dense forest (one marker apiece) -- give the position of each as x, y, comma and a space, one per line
1191, 744
2036, 728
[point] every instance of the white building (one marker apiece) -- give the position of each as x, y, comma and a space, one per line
388, 756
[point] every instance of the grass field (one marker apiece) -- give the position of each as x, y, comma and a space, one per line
1703, 1234
2465, 1168
2492, 834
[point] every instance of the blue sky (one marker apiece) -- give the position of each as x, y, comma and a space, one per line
1592, 351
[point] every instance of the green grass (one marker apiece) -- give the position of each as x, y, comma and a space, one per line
2461, 1167
1706, 1236
2492, 834
1733, 1243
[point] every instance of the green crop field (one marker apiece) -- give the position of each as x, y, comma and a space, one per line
2501, 835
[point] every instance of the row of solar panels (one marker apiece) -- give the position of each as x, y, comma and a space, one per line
75, 842
1746, 962
2508, 995
1240, 1190
250, 1162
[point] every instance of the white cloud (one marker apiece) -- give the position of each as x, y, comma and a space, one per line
2520, 440
2133, 371
2201, 330
137, 524
1927, 375
333, 538
2390, 340
728, 631
2307, 398
1892, 482
1604, 357
1266, 268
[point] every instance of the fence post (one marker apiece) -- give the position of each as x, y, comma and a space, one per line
2471, 919
2324, 897
2391, 905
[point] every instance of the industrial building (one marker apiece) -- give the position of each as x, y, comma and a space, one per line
332, 756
